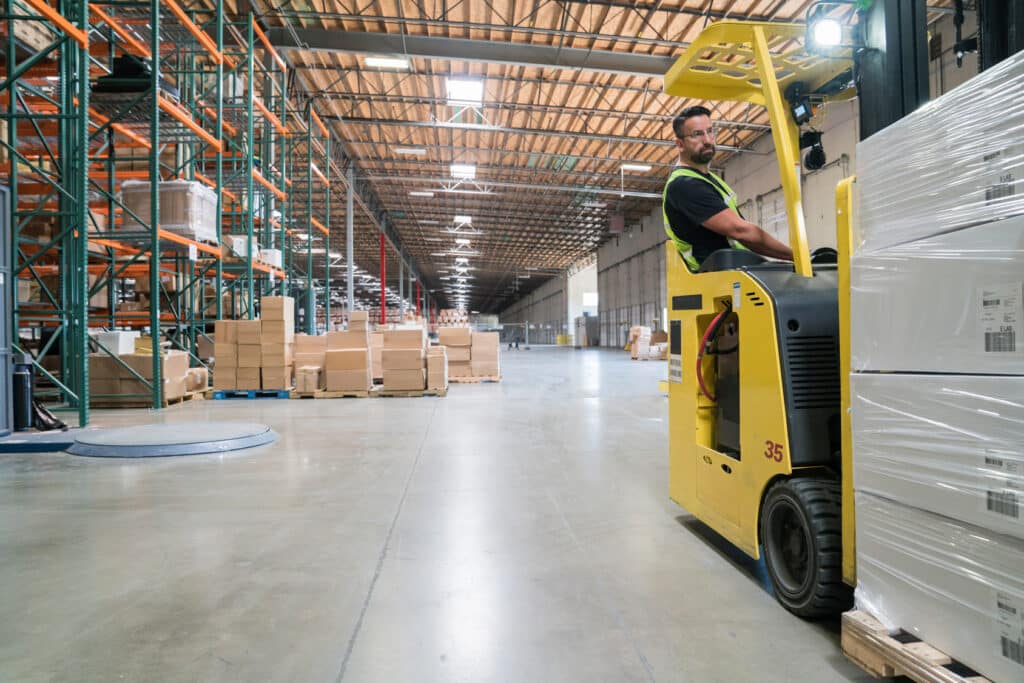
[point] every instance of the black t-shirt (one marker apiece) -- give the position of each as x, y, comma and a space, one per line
688, 203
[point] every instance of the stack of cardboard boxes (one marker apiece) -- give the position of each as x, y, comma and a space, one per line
225, 354
347, 361
277, 335
403, 359
249, 351
377, 355
437, 368
484, 355
639, 342
310, 358
459, 344
110, 381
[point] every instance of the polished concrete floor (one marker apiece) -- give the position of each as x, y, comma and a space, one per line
509, 532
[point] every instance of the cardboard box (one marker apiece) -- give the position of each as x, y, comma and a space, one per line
459, 369
249, 355
117, 342
415, 338
377, 340
224, 378
310, 343
359, 317
951, 304
641, 348
276, 378
225, 355
248, 331
437, 372
437, 351
347, 340
105, 367
955, 586
104, 388
277, 308
405, 380
359, 327
310, 359
485, 369
174, 387
174, 364
377, 362
247, 378
307, 379
402, 359
197, 379
455, 336
347, 359
459, 354
349, 380
205, 347
275, 355
948, 444
277, 331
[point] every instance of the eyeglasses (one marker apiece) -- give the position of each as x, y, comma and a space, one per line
700, 134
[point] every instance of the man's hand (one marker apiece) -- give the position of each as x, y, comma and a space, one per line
728, 224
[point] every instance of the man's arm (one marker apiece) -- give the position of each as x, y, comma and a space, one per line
729, 224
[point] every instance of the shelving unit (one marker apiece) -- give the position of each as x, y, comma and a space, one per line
217, 92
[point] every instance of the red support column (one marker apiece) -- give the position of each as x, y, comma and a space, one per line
383, 283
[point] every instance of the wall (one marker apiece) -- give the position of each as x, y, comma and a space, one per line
631, 280
544, 308
582, 282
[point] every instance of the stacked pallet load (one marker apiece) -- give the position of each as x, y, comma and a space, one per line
437, 370
113, 384
937, 309
225, 354
639, 342
450, 317
347, 362
277, 335
484, 354
404, 360
249, 349
310, 358
377, 356
458, 342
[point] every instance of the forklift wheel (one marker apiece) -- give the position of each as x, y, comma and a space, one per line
801, 525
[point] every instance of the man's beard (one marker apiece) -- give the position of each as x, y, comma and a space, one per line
704, 156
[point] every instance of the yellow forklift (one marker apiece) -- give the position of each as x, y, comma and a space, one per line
756, 403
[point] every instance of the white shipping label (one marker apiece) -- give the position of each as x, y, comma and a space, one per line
193, 253
735, 295
1000, 314
1010, 626
1002, 484
675, 369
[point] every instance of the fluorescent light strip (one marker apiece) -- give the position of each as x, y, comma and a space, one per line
641, 168
387, 62
410, 150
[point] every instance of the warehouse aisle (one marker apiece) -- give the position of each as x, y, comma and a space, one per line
512, 532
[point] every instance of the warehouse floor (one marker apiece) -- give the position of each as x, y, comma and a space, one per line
511, 532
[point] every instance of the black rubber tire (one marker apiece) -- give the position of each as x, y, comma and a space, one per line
801, 537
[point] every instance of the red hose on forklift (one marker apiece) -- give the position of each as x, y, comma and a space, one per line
711, 329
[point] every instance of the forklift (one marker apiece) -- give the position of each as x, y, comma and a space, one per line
759, 362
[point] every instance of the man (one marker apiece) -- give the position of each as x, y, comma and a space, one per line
699, 208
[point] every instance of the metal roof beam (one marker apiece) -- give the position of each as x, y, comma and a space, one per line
469, 50
488, 128
484, 184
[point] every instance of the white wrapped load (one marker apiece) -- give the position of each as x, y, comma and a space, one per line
949, 444
955, 162
187, 208
953, 585
952, 303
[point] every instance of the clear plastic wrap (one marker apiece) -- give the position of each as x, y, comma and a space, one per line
187, 208
956, 161
239, 244
952, 303
949, 444
272, 257
955, 586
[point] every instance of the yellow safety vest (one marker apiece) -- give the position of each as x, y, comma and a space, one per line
728, 196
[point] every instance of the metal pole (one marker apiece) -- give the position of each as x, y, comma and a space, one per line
401, 289
349, 220
383, 282
418, 298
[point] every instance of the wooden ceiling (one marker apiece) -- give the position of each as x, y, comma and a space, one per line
548, 140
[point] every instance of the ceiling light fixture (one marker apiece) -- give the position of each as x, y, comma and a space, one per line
463, 171
465, 92
410, 150
641, 168
387, 62
421, 193
462, 241
464, 220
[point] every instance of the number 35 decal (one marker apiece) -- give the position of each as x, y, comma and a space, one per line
773, 451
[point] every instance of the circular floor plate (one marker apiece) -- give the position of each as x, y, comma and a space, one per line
159, 440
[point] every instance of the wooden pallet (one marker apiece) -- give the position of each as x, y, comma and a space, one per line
323, 393
411, 393
135, 402
869, 645
474, 380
